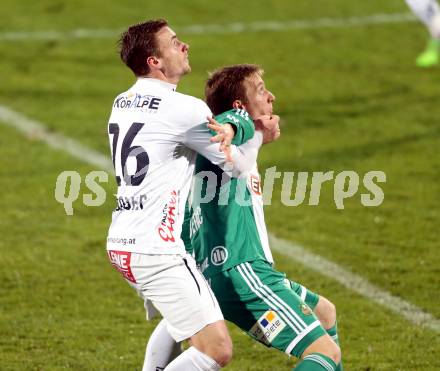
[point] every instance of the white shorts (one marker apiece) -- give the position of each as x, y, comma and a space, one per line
175, 287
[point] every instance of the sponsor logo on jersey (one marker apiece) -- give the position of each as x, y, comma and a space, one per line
268, 326
242, 113
254, 183
121, 240
305, 309
130, 203
166, 228
196, 221
121, 261
219, 255
143, 102
232, 119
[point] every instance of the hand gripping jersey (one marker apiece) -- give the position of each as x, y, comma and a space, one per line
224, 224
154, 134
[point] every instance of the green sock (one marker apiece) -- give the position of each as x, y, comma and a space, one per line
430, 56
333, 332
316, 362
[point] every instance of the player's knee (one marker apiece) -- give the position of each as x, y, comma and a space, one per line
222, 350
214, 341
326, 312
331, 315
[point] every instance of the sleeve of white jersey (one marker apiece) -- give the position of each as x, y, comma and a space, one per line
198, 136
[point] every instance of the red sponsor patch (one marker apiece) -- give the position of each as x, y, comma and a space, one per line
166, 228
121, 261
255, 184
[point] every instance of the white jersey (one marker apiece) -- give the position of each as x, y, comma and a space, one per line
154, 135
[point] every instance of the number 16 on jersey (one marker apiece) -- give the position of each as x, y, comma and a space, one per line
121, 155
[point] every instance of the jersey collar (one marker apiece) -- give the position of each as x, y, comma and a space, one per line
149, 80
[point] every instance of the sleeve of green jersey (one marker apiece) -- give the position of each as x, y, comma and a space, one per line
243, 123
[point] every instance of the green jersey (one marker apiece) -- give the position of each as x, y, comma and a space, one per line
228, 237
225, 215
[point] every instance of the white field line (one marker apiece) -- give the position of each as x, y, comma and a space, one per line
275, 26
355, 283
37, 130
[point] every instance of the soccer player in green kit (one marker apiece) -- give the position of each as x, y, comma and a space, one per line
228, 236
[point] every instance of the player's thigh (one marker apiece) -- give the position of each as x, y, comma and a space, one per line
255, 298
178, 290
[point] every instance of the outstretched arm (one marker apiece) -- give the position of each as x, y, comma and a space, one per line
243, 157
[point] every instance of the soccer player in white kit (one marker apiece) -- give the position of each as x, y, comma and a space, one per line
428, 11
155, 134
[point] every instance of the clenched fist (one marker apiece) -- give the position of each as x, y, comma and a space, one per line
269, 126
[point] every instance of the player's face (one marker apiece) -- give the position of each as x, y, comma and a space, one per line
259, 99
174, 55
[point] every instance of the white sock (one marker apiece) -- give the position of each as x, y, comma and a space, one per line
425, 10
161, 349
193, 360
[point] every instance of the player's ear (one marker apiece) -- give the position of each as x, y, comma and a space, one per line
153, 62
237, 104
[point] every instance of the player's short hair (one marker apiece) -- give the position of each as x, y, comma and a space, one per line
225, 85
138, 43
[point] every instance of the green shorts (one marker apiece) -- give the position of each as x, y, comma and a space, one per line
270, 308
309, 297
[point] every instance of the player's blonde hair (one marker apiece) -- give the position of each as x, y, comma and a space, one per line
225, 85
